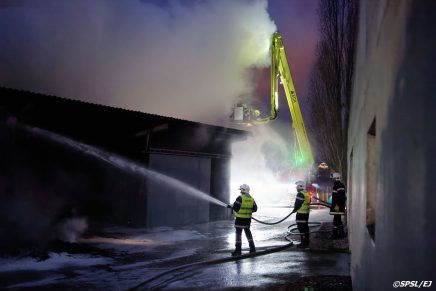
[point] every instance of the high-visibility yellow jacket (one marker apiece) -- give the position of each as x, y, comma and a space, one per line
246, 207
303, 199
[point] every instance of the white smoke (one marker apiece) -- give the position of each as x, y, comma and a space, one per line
70, 229
186, 59
265, 162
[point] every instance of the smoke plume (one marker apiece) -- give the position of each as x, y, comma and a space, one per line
265, 162
186, 59
70, 229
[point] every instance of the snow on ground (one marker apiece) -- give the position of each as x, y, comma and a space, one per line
55, 261
133, 256
138, 241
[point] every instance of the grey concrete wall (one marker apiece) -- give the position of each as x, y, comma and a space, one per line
168, 206
394, 83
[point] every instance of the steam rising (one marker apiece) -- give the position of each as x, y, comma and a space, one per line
186, 59
71, 229
264, 162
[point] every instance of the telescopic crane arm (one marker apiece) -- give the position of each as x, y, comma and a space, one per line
280, 69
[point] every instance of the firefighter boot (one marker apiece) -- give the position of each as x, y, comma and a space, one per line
252, 247
306, 239
341, 232
237, 251
302, 243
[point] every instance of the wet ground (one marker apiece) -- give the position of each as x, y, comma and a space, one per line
167, 258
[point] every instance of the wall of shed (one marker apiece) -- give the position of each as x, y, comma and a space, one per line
220, 187
167, 206
41, 182
44, 183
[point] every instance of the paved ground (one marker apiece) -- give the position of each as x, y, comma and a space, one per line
121, 259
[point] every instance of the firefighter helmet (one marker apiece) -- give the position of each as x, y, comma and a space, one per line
300, 185
335, 176
244, 188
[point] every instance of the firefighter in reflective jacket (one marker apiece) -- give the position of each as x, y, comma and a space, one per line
337, 208
302, 207
243, 207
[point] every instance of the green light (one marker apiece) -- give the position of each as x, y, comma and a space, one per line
299, 161
298, 158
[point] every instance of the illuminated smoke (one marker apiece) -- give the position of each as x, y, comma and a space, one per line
186, 59
70, 229
264, 162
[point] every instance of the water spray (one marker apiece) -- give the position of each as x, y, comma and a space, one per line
128, 165
120, 162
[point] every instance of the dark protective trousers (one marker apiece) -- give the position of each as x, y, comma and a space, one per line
337, 220
338, 228
303, 226
239, 238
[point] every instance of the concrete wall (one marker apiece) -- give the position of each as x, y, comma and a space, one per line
394, 84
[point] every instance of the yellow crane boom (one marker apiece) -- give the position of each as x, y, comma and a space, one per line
280, 68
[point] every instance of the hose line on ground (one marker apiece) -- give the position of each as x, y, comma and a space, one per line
277, 222
211, 262
272, 223
293, 228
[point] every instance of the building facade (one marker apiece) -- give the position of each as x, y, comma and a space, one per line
112, 166
392, 141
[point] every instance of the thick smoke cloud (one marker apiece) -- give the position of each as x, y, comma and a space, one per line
186, 59
265, 162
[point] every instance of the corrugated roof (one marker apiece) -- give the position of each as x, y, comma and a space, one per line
117, 129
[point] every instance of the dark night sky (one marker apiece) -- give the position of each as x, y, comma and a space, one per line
152, 55
297, 21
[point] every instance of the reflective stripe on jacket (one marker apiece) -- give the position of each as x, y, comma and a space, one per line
246, 207
305, 208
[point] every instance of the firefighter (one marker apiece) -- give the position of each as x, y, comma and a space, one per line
337, 208
302, 207
243, 207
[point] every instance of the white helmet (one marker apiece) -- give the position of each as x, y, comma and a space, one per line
335, 176
301, 185
244, 188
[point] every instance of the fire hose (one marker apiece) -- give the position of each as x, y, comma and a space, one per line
272, 223
291, 231
323, 203
209, 262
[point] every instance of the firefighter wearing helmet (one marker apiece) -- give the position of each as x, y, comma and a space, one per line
243, 207
337, 209
302, 207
